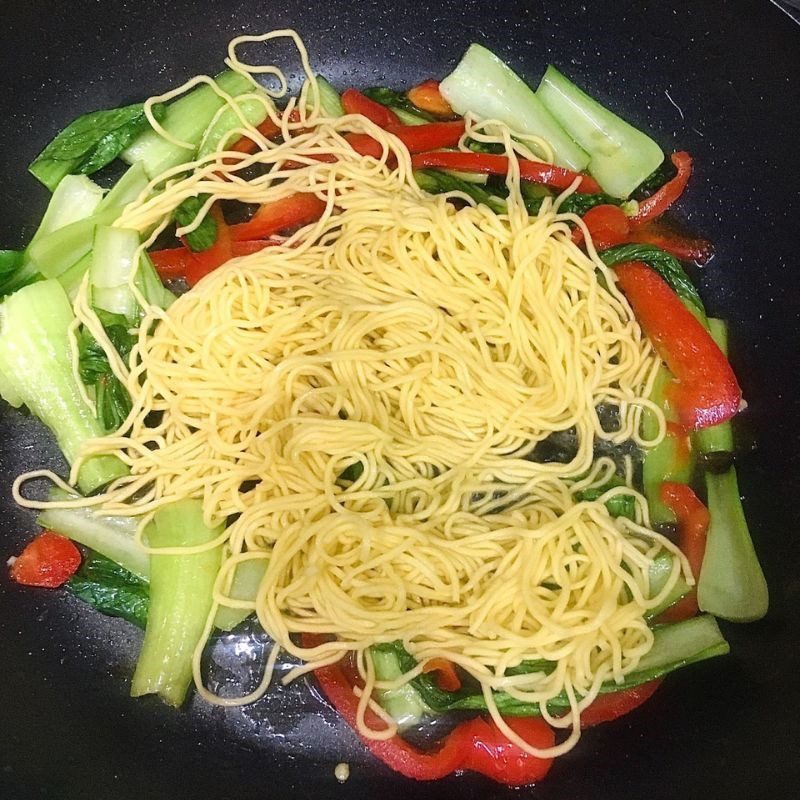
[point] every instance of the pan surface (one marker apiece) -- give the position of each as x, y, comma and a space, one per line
720, 79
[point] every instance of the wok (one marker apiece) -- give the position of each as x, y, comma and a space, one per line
720, 79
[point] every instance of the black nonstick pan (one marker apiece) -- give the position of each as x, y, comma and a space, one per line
719, 78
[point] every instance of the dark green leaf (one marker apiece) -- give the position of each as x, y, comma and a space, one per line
666, 265
579, 204
621, 505
111, 589
655, 180
436, 182
353, 472
112, 398
14, 273
496, 148
90, 142
392, 99
205, 234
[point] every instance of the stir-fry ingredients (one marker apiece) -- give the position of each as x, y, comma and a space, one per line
413, 377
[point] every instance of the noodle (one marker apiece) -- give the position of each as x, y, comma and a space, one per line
424, 350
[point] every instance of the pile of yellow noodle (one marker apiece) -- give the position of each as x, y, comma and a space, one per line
432, 346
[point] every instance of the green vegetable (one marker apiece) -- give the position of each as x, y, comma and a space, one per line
15, 271
253, 109
246, 580
111, 397
666, 265
111, 589
112, 537
579, 204
731, 583
127, 189
72, 277
186, 119
55, 253
665, 461
329, 99
620, 505
36, 368
621, 157
62, 253
438, 182
483, 85
180, 600
408, 113
90, 142
113, 262
76, 197
660, 570
717, 438
404, 704
149, 284
205, 234
675, 646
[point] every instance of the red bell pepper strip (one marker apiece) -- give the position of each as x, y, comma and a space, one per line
693, 520
607, 224
706, 392
49, 560
535, 171
205, 261
487, 750
419, 138
658, 202
293, 211
611, 706
354, 102
171, 264
427, 97
475, 745
416, 138
446, 675
683, 248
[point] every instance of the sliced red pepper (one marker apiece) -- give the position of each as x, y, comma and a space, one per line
684, 248
446, 675
354, 102
487, 750
611, 706
173, 263
49, 560
394, 752
658, 202
475, 745
416, 138
252, 246
706, 392
427, 97
693, 520
202, 263
293, 211
607, 224
547, 174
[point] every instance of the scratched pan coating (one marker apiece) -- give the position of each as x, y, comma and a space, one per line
719, 79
